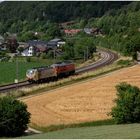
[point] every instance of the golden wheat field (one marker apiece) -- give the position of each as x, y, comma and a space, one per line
86, 101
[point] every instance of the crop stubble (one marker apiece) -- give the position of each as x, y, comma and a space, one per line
87, 101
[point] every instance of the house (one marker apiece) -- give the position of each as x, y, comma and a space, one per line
34, 47
55, 43
88, 31
93, 31
30, 51
72, 32
41, 46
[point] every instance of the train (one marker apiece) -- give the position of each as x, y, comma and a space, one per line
50, 73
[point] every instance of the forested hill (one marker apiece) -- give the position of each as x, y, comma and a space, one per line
15, 14
55, 11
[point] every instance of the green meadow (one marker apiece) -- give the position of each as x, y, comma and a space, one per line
8, 70
128, 131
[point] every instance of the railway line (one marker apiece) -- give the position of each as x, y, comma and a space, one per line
107, 57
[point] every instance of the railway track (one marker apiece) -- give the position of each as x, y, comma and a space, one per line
107, 57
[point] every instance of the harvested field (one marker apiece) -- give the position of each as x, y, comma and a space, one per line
85, 101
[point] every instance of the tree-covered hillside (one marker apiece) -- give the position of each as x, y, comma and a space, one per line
121, 28
119, 21
17, 16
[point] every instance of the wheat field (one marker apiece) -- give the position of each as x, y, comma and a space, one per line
85, 101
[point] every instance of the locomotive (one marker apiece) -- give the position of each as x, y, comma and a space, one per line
50, 73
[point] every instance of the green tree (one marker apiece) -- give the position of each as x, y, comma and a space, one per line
53, 30
14, 117
68, 50
83, 23
20, 49
12, 44
27, 36
84, 45
127, 109
50, 54
43, 56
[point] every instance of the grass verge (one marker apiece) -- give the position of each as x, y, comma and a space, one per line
75, 125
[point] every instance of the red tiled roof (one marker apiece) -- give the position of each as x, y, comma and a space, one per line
72, 31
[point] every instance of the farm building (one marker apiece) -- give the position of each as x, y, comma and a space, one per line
72, 32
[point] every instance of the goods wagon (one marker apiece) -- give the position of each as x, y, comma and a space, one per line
50, 73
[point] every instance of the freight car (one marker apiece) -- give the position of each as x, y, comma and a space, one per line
50, 73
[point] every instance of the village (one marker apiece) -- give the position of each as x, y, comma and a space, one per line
10, 47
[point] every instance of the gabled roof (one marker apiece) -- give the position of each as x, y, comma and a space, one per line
37, 42
55, 40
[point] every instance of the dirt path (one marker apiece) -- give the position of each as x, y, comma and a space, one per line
87, 101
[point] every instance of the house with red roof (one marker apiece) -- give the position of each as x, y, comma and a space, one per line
72, 31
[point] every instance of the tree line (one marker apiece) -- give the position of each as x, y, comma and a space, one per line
20, 16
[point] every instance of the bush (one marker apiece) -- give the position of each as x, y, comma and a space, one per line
28, 59
4, 59
43, 56
50, 54
124, 62
13, 117
127, 109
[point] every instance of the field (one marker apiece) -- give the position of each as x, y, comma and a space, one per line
8, 70
129, 131
90, 100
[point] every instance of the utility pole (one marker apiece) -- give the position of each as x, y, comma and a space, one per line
54, 55
16, 80
87, 52
84, 55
